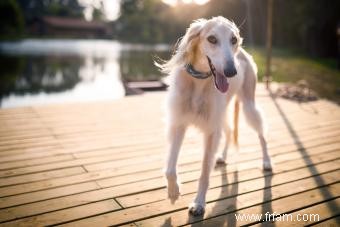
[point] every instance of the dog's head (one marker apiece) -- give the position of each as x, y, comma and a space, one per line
211, 45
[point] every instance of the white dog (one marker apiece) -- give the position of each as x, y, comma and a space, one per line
208, 68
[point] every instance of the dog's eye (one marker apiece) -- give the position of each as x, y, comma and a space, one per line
233, 40
212, 39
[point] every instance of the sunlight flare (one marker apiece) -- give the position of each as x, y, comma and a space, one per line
174, 2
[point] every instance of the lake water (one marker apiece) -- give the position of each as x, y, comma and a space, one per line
38, 72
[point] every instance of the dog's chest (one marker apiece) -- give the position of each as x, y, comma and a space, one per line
200, 102
200, 106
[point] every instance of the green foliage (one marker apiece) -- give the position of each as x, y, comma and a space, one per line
37, 8
57, 9
11, 19
10, 73
308, 25
97, 14
292, 66
153, 21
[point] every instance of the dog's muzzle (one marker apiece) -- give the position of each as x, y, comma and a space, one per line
230, 70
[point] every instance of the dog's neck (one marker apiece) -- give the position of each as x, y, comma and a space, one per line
196, 83
197, 69
197, 74
198, 66
200, 63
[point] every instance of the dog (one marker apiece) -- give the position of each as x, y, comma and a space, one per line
209, 68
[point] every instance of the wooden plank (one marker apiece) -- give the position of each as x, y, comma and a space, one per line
309, 215
110, 151
4, 142
333, 222
61, 215
140, 212
46, 194
12, 190
153, 158
218, 181
24, 135
95, 128
37, 188
33, 155
29, 150
109, 130
21, 126
39, 145
103, 194
256, 163
11, 152
281, 206
189, 173
41, 176
37, 161
106, 138
140, 149
87, 119
222, 211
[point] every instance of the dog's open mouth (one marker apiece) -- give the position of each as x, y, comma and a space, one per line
221, 81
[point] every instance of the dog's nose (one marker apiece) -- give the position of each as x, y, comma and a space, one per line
230, 70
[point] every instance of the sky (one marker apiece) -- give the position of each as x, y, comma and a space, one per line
173, 2
111, 7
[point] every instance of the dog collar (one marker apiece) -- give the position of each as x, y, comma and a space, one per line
197, 74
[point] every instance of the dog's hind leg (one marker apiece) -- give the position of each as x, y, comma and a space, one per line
267, 165
252, 114
211, 143
255, 120
221, 158
176, 134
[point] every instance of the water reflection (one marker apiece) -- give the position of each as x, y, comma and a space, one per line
139, 66
35, 72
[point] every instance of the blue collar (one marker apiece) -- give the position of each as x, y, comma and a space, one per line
197, 74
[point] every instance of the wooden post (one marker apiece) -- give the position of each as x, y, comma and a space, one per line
267, 77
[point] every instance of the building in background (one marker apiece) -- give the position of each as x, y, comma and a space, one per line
69, 27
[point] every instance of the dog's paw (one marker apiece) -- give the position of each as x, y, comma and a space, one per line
220, 160
173, 191
267, 166
196, 209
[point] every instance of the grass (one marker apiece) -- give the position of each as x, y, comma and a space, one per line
289, 66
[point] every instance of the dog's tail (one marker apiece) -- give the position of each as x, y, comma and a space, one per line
236, 116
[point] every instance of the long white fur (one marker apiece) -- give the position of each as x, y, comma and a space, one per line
198, 102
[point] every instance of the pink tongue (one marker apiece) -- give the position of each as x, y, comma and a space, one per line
221, 83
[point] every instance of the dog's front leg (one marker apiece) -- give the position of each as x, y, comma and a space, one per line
267, 165
176, 134
211, 143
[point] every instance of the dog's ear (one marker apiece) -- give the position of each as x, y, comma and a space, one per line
185, 48
194, 30
188, 44
237, 32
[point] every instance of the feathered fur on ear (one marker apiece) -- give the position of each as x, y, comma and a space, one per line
185, 50
192, 32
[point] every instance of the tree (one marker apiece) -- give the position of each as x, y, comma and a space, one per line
39, 8
11, 19
97, 13
154, 21
306, 25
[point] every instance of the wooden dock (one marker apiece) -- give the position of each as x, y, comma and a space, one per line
100, 164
